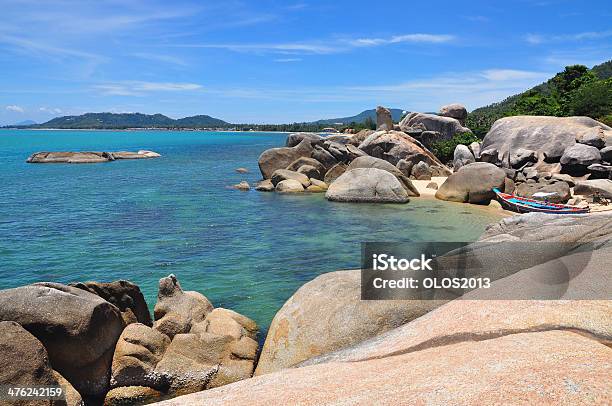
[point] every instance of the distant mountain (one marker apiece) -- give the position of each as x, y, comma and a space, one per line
396, 114
25, 122
131, 120
575, 91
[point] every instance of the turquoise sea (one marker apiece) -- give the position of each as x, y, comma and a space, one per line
142, 220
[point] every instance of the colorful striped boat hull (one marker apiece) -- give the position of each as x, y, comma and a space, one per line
525, 205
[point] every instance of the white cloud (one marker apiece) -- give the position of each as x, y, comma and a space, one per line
50, 110
536, 39
286, 60
15, 108
139, 88
327, 46
510, 74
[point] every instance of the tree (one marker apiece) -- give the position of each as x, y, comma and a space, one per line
593, 99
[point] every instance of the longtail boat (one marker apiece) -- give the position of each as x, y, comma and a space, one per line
525, 205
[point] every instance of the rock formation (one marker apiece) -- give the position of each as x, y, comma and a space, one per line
87, 157
384, 122
367, 185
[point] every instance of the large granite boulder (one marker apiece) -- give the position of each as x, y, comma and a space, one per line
327, 314
337, 150
298, 163
78, 329
176, 310
371, 162
393, 146
384, 121
549, 136
24, 361
567, 367
264, 186
289, 186
217, 351
590, 187
473, 183
560, 189
137, 353
334, 172
367, 185
324, 156
521, 157
283, 174
454, 110
296, 138
123, 294
595, 138
279, 158
358, 138
462, 156
132, 396
446, 127
578, 157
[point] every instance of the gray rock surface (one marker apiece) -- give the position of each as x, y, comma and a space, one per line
295, 138
384, 122
279, 158
473, 183
448, 127
334, 172
289, 186
560, 189
521, 156
265, 186
589, 187
606, 154
549, 136
454, 110
393, 146
283, 174
599, 171
462, 156
367, 185
371, 162
578, 157
422, 171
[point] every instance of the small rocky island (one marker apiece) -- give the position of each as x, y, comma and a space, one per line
88, 157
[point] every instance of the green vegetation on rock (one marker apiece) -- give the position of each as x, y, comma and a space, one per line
444, 150
575, 91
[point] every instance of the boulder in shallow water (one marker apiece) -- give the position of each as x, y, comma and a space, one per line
279, 158
85, 157
283, 174
289, 186
265, 186
310, 171
298, 163
242, 186
78, 329
473, 183
324, 156
367, 185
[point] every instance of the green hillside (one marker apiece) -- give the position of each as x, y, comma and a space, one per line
577, 91
360, 118
131, 120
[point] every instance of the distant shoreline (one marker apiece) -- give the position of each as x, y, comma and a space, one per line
150, 129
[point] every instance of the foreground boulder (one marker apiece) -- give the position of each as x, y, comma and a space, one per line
548, 136
24, 360
283, 174
473, 183
125, 295
568, 367
78, 329
371, 162
279, 158
327, 314
138, 351
176, 310
367, 185
219, 350
132, 395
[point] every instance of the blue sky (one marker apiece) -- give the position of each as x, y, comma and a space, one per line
284, 61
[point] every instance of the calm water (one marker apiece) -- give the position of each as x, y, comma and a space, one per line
141, 220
